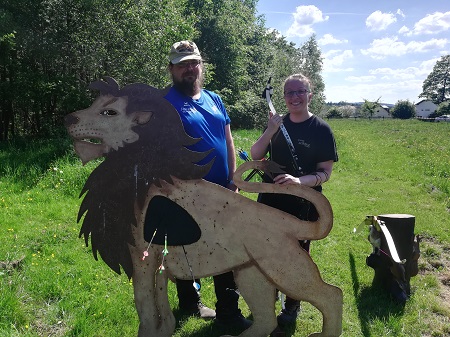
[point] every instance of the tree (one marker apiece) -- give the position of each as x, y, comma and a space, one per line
443, 109
278, 59
347, 110
368, 108
334, 112
52, 49
7, 69
241, 55
225, 27
403, 109
311, 65
436, 86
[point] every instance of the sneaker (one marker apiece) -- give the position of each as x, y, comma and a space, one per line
288, 315
237, 321
200, 310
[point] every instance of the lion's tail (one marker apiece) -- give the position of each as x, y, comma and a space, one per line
319, 228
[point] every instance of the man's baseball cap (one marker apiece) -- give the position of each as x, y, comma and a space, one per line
184, 50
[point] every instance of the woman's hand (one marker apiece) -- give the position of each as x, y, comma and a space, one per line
259, 149
274, 122
286, 179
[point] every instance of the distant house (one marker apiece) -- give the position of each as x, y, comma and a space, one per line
425, 108
382, 111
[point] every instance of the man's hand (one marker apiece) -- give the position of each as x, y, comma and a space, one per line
231, 186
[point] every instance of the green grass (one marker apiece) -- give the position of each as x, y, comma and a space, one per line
389, 166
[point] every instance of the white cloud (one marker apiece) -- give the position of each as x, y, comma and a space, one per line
304, 18
400, 12
334, 59
330, 39
388, 83
422, 70
360, 79
390, 46
391, 84
380, 21
390, 92
401, 35
403, 30
426, 67
432, 24
386, 74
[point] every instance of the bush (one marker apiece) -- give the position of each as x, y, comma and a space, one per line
443, 109
334, 112
403, 110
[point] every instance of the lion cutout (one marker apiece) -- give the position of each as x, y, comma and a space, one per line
147, 159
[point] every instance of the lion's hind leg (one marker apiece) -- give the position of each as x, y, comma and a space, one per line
302, 281
259, 294
328, 300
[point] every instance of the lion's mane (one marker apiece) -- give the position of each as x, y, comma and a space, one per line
125, 175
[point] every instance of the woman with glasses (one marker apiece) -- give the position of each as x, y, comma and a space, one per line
307, 153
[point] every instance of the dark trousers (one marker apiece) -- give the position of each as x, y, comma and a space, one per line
225, 289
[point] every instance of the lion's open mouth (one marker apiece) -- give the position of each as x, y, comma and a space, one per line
89, 148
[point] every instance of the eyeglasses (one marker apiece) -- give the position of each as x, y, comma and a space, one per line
190, 64
296, 92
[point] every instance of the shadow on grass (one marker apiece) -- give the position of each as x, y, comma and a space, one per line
372, 302
209, 330
214, 330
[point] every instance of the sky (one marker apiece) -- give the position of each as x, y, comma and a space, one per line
372, 49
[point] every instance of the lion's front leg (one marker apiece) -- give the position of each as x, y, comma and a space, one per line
167, 319
145, 297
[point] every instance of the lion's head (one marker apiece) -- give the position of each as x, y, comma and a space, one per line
103, 126
108, 123
142, 138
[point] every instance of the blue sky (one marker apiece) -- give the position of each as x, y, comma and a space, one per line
371, 49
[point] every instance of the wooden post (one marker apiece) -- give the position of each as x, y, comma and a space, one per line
395, 277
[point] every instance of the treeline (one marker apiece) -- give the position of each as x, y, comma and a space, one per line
50, 50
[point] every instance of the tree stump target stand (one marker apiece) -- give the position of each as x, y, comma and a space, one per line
395, 277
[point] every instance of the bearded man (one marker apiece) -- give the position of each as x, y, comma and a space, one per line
204, 116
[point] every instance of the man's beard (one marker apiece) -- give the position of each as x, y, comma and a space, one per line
187, 87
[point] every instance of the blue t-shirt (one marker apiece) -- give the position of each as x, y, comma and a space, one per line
205, 118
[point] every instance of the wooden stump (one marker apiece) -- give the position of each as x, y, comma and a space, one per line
401, 227
395, 277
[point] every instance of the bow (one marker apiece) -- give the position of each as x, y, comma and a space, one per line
267, 93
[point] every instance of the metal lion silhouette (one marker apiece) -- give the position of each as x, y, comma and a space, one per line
148, 166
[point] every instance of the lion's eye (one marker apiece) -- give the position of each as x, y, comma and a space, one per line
108, 113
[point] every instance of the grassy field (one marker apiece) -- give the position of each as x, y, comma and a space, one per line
50, 285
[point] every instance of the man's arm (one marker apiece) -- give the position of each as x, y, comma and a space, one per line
231, 156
